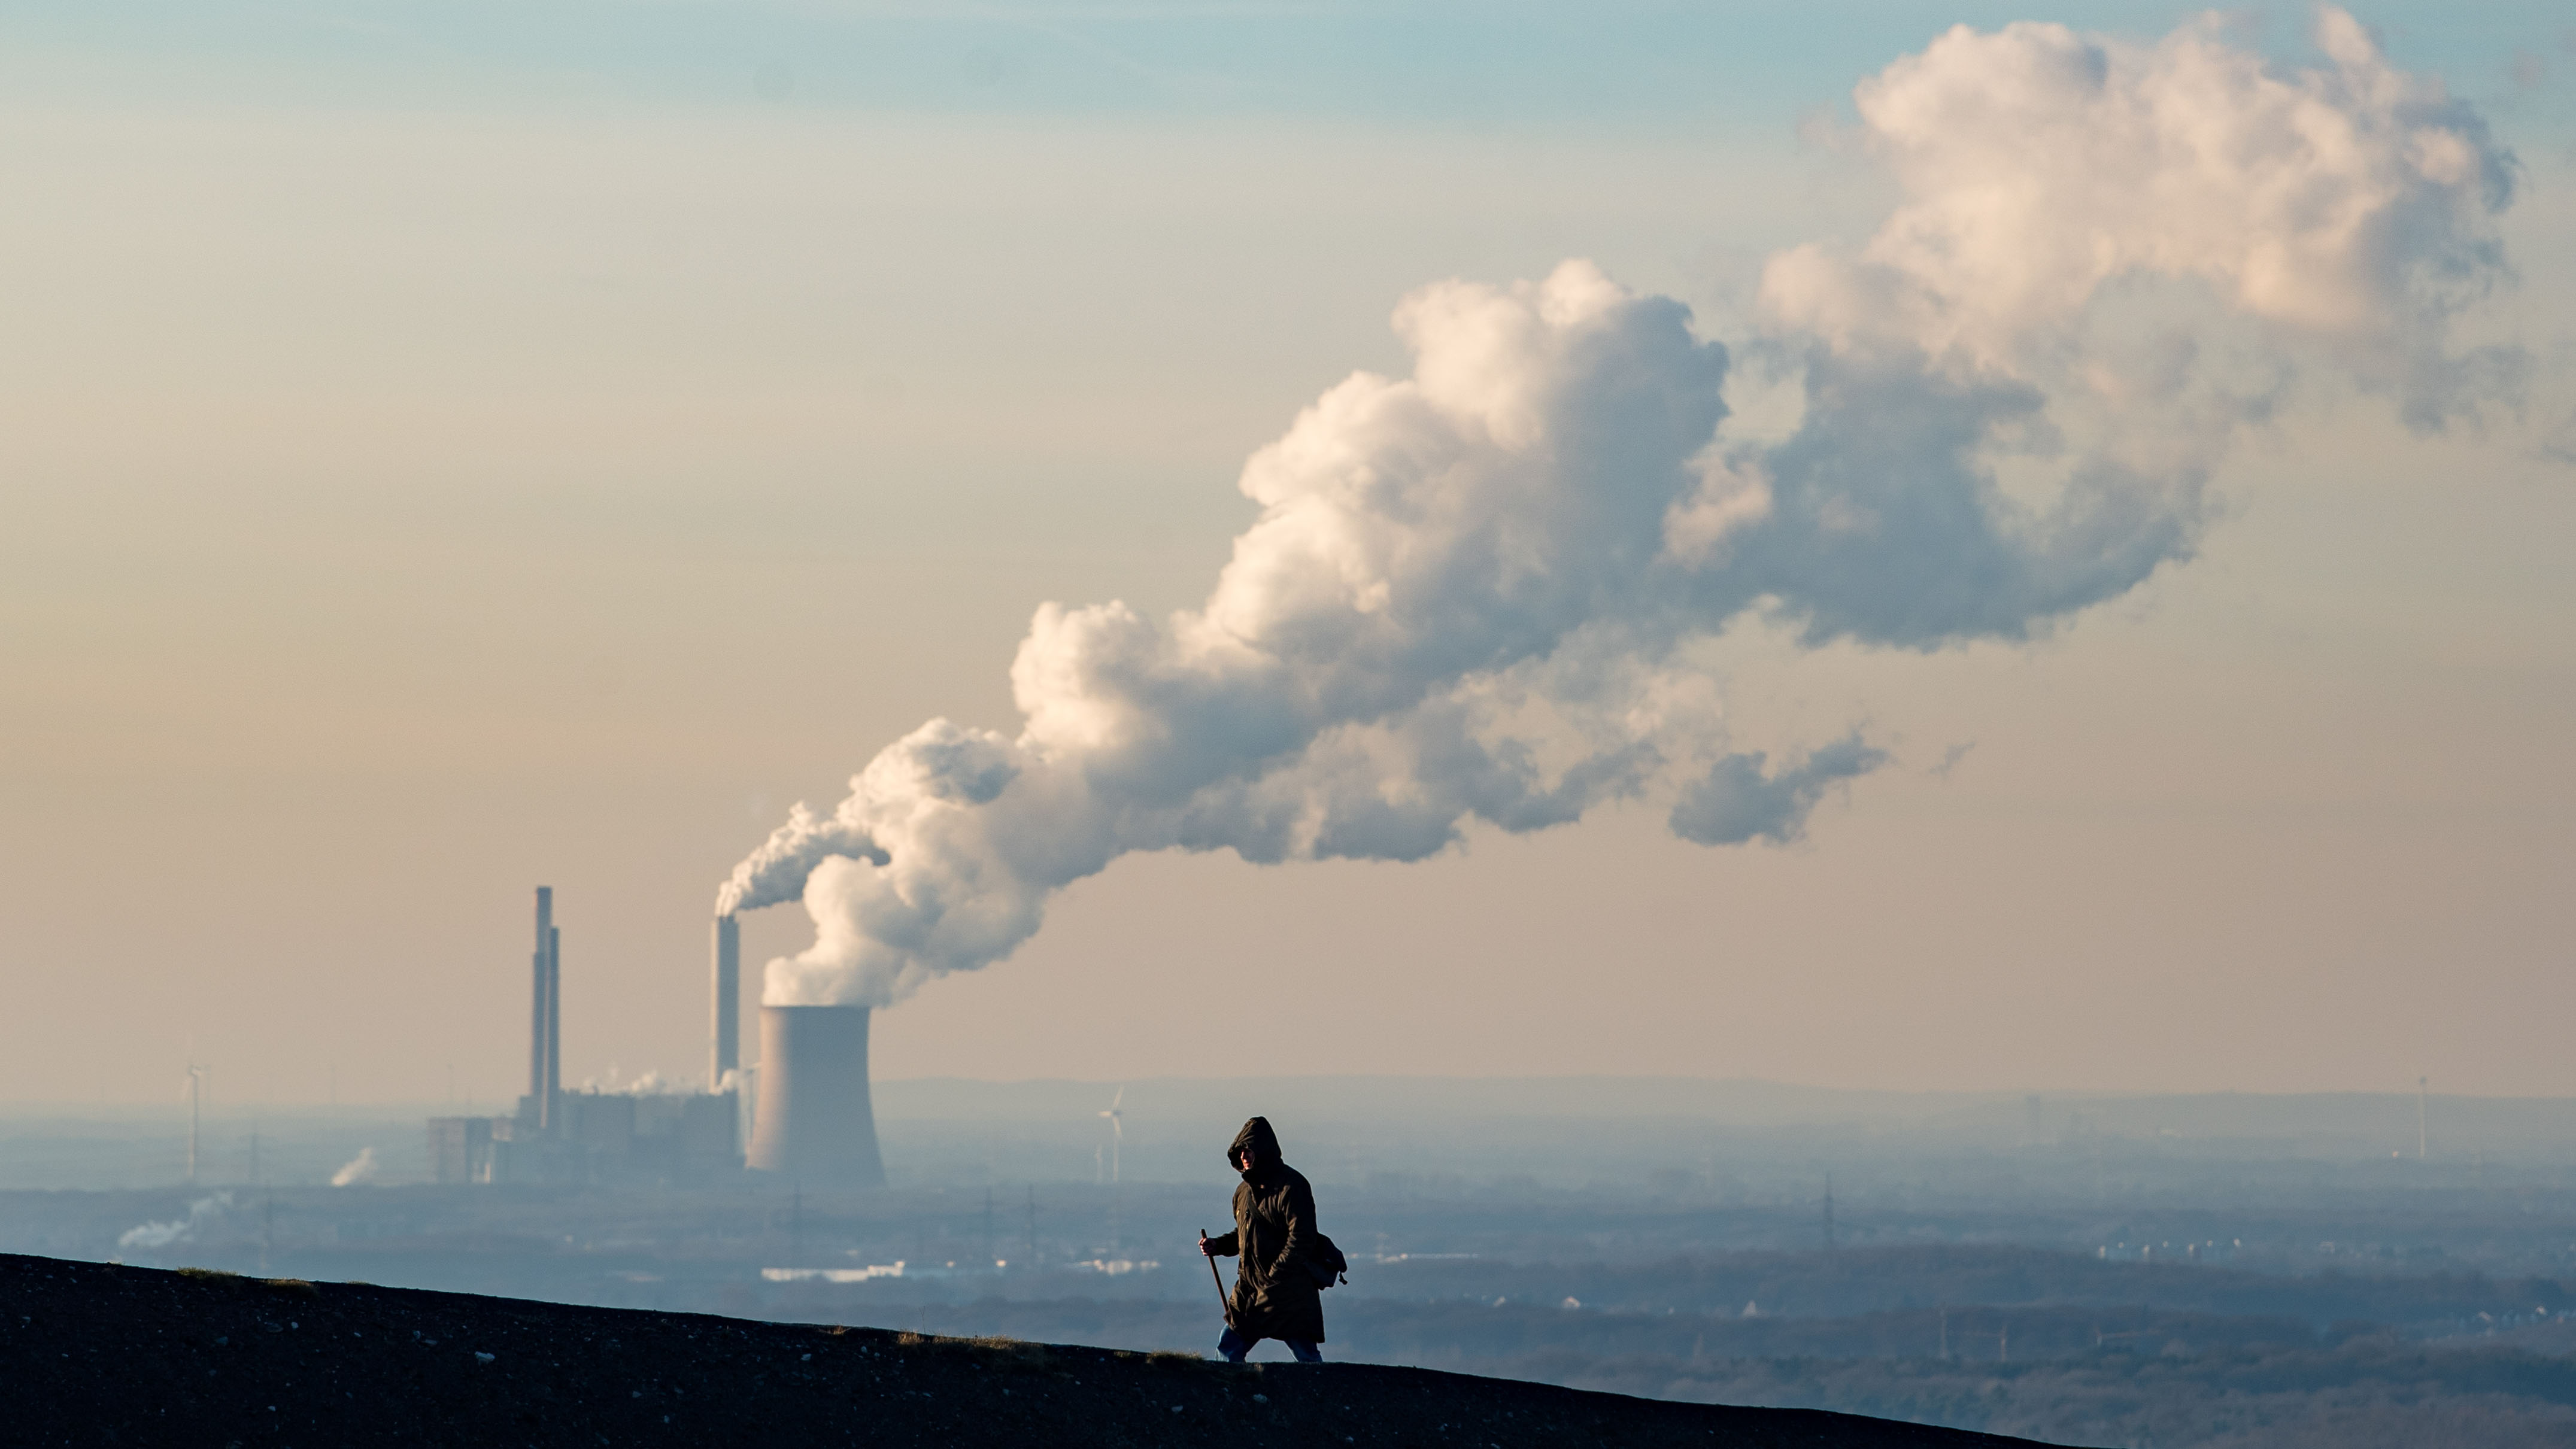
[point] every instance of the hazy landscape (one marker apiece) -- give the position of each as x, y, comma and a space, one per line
2082, 1269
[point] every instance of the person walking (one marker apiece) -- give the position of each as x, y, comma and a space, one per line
1276, 1293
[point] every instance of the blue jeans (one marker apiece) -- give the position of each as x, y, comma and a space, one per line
1234, 1346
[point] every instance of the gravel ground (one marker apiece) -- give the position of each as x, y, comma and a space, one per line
102, 1354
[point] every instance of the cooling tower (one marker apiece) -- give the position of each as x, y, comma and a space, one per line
814, 1123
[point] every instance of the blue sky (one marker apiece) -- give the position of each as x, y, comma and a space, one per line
1516, 66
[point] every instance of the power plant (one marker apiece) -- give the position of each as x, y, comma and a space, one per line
811, 1121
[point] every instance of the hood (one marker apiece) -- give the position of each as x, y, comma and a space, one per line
1257, 1138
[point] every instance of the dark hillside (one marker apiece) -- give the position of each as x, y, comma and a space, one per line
101, 1354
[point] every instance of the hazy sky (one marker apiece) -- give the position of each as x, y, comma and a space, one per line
446, 449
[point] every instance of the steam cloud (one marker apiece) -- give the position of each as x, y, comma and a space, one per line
358, 1169
1736, 802
1471, 592
178, 1230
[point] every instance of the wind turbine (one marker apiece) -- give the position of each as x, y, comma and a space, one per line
2423, 1096
196, 1092
1117, 1133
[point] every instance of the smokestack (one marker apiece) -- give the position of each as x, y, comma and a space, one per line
725, 1010
540, 1004
814, 1123
553, 1118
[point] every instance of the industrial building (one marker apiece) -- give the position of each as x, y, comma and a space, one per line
585, 1136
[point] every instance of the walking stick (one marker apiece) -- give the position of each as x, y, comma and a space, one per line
1223, 1303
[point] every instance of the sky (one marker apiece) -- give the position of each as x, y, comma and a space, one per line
445, 450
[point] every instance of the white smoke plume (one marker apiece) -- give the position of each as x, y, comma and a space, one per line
178, 1230
1471, 592
1736, 802
357, 1170
2347, 205
776, 872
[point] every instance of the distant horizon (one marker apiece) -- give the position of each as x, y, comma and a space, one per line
216, 1105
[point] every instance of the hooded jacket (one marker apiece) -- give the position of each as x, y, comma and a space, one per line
1274, 1221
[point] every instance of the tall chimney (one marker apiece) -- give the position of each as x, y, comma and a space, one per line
725, 1010
539, 1010
814, 1124
553, 1121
